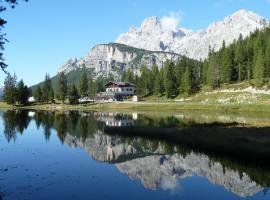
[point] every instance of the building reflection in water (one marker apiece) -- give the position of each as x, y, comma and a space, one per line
118, 119
161, 151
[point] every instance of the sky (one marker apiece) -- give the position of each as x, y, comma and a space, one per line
44, 34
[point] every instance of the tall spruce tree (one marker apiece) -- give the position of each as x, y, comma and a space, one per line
267, 59
187, 82
128, 76
61, 87
10, 89
22, 94
226, 67
259, 68
83, 85
143, 84
47, 90
38, 94
170, 80
91, 88
213, 71
73, 95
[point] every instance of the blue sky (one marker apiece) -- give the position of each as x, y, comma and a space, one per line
43, 34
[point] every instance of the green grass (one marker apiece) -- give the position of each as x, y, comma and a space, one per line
4, 105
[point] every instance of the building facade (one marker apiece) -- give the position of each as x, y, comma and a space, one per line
121, 88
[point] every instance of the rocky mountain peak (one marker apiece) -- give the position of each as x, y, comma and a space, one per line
150, 24
194, 44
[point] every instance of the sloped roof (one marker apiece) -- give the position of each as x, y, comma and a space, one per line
120, 84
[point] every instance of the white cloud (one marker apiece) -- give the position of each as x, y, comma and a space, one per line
170, 184
171, 21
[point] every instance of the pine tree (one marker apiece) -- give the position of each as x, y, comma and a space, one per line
226, 66
213, 74
143, 84
51, 95
187, 82
259, 68
47, 90
170, 80
267, 59
158, 85
61, 87
38, 94
10, 89
128, 76
99, 84
83, 85
91, 88
73, 95
22, 94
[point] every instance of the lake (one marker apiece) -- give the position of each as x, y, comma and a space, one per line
94, 155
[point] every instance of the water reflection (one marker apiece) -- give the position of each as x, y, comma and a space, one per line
160, 150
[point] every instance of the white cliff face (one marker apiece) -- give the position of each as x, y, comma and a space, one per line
114, 58
151, 43
161, 171
151, 36
156, 169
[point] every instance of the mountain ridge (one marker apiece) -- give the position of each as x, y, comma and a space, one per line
113, 58
193, 44
151, 44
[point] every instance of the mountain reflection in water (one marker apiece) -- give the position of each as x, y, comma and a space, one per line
160, 150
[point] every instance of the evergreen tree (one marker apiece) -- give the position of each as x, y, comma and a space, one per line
47, 90
22, 94
83, 85
158, 88
143, 83
226, 66
213, 74
155, 70
170, 80
128, 76
91, 88
267, 59
61, 87
259, 68
187, 82
73, 95
51, 95
99, 84
240, 61
38, 94
10, 89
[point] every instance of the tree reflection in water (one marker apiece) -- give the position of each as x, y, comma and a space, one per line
159, 150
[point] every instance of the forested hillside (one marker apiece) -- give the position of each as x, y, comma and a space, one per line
245, 59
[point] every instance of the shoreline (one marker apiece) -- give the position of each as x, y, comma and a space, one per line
148, 106
245, 115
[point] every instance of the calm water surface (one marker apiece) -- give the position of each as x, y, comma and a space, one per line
79, 155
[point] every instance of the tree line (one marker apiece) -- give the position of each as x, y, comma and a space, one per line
244, 60
66, 91
172, 79
15, 92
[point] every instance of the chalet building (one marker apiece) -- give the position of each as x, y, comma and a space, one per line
121, 88
117, 91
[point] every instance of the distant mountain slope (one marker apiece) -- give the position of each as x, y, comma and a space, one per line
72, 76
152, 36
113, 58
